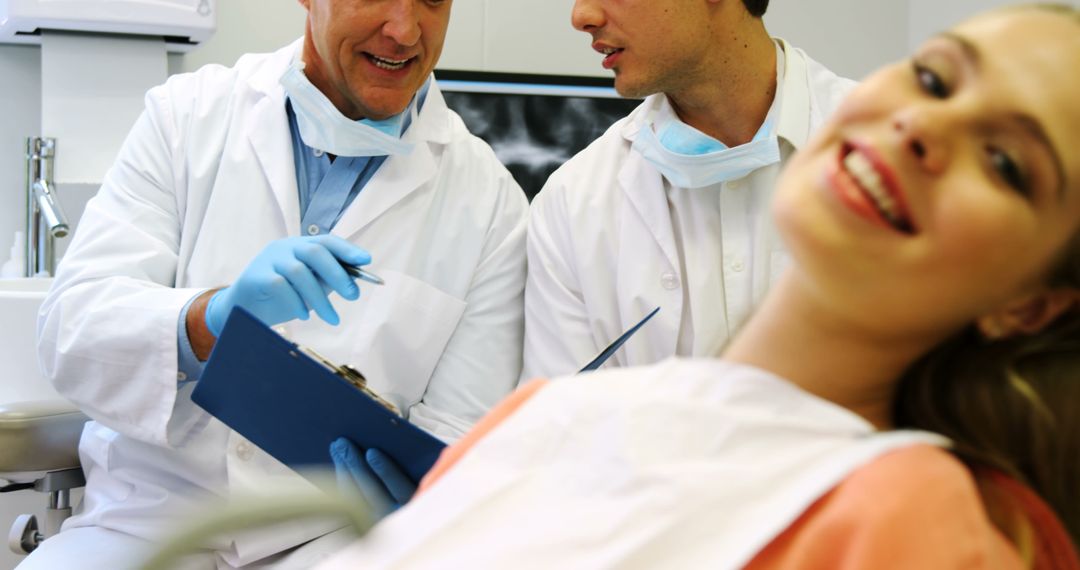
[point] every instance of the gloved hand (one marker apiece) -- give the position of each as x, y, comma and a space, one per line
376, 477
289, 278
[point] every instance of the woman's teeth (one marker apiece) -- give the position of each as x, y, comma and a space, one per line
388, 64
862, 171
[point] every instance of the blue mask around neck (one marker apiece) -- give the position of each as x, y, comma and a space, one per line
689, 158
323, 127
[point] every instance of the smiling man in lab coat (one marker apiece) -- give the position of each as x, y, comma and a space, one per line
246, 186
669, 208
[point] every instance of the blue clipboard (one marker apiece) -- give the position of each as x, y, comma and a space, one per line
281, 398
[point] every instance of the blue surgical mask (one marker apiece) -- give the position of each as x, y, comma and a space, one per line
689, 158
323, 127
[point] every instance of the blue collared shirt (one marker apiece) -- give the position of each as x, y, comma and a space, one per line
326, 188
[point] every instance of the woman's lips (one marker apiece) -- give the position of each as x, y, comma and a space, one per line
866, 185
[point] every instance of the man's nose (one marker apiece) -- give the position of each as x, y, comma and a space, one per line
586, 15
403, 23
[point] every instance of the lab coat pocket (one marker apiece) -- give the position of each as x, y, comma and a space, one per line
405, 326
96, 454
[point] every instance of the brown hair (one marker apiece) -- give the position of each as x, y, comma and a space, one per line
1010, 406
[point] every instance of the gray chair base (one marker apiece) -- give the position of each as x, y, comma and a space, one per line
39, 444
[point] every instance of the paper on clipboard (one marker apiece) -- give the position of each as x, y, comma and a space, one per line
292, 403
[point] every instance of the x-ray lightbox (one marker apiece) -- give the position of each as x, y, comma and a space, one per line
534, 123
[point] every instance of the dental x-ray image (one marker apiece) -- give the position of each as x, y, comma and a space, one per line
534, 123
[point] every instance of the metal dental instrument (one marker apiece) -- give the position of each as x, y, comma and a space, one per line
611, 348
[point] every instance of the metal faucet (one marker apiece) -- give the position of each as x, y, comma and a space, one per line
45, 219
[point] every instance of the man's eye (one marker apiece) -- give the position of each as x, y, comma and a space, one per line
1009, 171
930, 81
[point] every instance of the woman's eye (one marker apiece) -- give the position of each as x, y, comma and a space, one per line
1009, 171
930, 81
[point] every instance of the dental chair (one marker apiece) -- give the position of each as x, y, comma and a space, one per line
39, 450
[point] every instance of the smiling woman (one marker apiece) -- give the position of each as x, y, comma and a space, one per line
947, 185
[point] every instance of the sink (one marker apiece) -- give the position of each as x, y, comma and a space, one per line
20, 376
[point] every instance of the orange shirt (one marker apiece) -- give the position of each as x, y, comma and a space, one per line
917, 507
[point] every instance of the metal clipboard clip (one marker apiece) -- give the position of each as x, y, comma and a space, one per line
350, 375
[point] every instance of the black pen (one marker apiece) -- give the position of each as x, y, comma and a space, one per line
361, 273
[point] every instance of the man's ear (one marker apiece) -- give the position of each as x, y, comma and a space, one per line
1027, 315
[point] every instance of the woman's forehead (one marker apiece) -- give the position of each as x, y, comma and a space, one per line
1028, 59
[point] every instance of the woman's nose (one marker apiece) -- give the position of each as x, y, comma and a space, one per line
586, 16
924, 135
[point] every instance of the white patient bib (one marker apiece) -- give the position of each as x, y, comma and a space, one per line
685, 464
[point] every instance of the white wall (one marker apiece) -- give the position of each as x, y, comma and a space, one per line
245, 26
851, 37
20, 117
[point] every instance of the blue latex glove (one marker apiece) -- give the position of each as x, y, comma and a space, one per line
288, 279
400, 486
373, 475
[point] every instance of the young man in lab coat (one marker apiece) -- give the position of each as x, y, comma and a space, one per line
248, 186
669, 208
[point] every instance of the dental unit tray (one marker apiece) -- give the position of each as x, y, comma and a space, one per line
292, 402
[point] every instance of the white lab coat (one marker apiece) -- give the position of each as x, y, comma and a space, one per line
683, 464
603, 250
205, 180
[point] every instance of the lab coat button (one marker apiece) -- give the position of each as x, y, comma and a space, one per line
244, 451
180, 376
738, 265
669, 281
313, 230
735, 184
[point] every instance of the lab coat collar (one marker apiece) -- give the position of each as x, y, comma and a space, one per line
401, 175
397, 178
644, 188
267, 127
793, 123
794, 114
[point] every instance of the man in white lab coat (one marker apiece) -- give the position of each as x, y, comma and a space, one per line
258, 179
669, 207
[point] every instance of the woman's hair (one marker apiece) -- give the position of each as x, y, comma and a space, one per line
1010, 406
